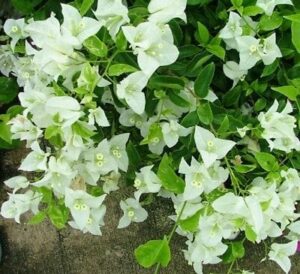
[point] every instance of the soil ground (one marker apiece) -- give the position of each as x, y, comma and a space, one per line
41, 249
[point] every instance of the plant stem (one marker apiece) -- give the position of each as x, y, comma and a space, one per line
232, 176
172, 233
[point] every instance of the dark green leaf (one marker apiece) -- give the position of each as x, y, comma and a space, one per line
204, 80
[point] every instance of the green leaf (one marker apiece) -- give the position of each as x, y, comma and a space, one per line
290, 92
191, 223
133, 154
224, 125
244, 168
95, 46
234, 251
237, 3
5, 133
164, 81
119, 69
203, 33
216, 50
204, 80
168, 177
296, 35
8, 89
58, 215
85, 6
250, 234
38, 218
153, 252
178, 100
270, 69
267, 161
260, 104
82, 130
252, 11
121, 41
293, 17
190, 120
268, 23
52, 131
205, 113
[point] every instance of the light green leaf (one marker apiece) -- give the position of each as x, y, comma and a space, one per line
290, 92
119, 69
168, 177
267, 161
95, 46
216, 50
5, 133
153, 252
191, 223
85, 6
296, 35
38, 218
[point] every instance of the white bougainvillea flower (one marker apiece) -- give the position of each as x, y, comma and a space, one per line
77, 26
133, 212
129, 118
112, 14
111, 181
250, 51
233, 71
118, 150
17, 182
197, 178
230, 204
172, 131
213, 228
280, 254
16, 30
80, 204
131, 88
233, 27
35, 160
23, 129
18, 204
66, 107
153, 47
210, 147
164, 11
101, 158
59, 175
94, 222
98, 116
146, 181
270, 50
268, 5
279, 128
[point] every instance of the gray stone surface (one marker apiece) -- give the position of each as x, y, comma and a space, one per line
41, 249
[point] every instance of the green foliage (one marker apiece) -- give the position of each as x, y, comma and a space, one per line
153, 252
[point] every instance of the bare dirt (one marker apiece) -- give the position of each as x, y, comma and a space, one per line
41, 249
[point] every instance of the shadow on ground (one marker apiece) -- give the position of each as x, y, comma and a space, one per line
41, 249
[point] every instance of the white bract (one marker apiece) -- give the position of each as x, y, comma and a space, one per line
279, 128
133, 212
131, 89
112, 14
268, 5
151, 45
210, 147
146, 181
81, 204
280, 254
16, 30
164, 11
